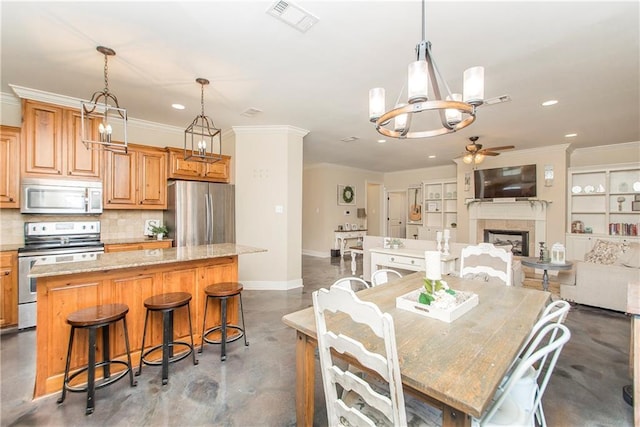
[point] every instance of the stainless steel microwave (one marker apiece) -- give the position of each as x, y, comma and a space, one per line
54, 196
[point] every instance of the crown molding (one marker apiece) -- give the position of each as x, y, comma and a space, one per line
274, 129
72, 102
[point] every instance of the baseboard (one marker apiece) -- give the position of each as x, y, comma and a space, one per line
317, 254
260, 285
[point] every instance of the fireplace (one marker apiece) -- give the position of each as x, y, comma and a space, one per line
515, 240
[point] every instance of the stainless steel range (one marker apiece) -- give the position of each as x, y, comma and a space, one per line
51, 243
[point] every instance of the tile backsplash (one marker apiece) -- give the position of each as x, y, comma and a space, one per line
114, 224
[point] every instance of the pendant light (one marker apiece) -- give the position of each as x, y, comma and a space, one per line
201, 137
456, 111
105, 110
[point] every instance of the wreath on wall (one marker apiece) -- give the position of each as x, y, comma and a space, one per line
346, 195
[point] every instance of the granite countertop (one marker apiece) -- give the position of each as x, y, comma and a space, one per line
130, 259
10, 246
130, 240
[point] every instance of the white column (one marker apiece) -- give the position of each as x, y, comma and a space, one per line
268, 179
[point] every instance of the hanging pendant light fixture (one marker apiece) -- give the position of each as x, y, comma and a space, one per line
111, 119
456, 111
201, 136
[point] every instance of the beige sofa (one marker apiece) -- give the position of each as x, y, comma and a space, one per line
603, 276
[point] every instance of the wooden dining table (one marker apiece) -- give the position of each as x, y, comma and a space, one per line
455, 366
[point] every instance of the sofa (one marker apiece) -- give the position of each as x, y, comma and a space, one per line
601, 279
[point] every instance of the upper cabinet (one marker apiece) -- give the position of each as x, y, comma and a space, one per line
52, 145
10, 176
197, 171
136, 179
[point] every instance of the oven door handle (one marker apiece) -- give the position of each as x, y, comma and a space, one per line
62, 251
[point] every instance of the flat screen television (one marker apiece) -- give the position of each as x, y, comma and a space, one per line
507, 182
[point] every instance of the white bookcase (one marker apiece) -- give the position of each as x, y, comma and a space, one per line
601, 200
440, 203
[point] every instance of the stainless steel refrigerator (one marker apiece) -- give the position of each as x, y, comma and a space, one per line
200, 213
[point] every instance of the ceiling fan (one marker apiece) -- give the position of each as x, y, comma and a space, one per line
475, 153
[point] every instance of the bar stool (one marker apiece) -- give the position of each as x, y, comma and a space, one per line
223, 291
92, 319
167, 304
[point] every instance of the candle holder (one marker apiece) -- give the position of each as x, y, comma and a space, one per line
445, 251
439, 241
541, 258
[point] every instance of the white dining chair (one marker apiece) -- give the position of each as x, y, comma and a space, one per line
555, 312
485, 260
516, 402
353, 283
361, 400
383, 275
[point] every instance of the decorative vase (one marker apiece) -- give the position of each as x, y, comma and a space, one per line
160, 236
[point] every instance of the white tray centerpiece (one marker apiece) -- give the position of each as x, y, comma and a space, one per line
435, 299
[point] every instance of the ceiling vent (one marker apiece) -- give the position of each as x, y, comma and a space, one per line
251, 111
350, 139
293, 15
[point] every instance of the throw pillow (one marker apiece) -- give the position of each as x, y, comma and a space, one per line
605, 252
631, 257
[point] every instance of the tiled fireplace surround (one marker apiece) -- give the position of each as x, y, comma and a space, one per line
516, 216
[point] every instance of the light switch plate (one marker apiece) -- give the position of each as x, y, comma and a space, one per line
147, 226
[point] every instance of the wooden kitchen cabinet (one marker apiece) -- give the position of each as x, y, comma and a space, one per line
10, 167
152, 244
197, 171
9, 288
136, 179
52, 143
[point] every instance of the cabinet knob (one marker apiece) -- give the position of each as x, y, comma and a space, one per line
11, 199
412, 261
6, 272
392, 259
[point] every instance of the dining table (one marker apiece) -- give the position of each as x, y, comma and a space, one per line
455, 366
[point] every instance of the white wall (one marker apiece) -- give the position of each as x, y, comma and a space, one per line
606, 154
321, 212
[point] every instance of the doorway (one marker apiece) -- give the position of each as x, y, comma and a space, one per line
375, 209
396, 214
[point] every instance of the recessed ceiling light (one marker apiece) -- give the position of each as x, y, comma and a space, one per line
549, 102
177, 106
382, 141
571, 135
432, 156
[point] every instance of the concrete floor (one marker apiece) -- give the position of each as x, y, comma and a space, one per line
255, 386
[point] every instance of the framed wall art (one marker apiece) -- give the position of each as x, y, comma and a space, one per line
346, 195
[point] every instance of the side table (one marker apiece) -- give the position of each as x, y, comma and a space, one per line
536, 263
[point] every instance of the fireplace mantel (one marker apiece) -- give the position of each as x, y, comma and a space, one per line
509, 210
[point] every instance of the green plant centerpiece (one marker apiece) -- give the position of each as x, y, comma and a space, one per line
159, 229
432, 289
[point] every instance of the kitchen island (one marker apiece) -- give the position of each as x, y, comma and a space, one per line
128, 278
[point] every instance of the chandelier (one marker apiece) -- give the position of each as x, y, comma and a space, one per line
456, 111
111, 119
201, 135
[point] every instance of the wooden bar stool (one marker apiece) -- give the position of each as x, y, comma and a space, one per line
223, 291
92, 319
167, 304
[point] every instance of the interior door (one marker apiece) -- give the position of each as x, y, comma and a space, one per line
396, 214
